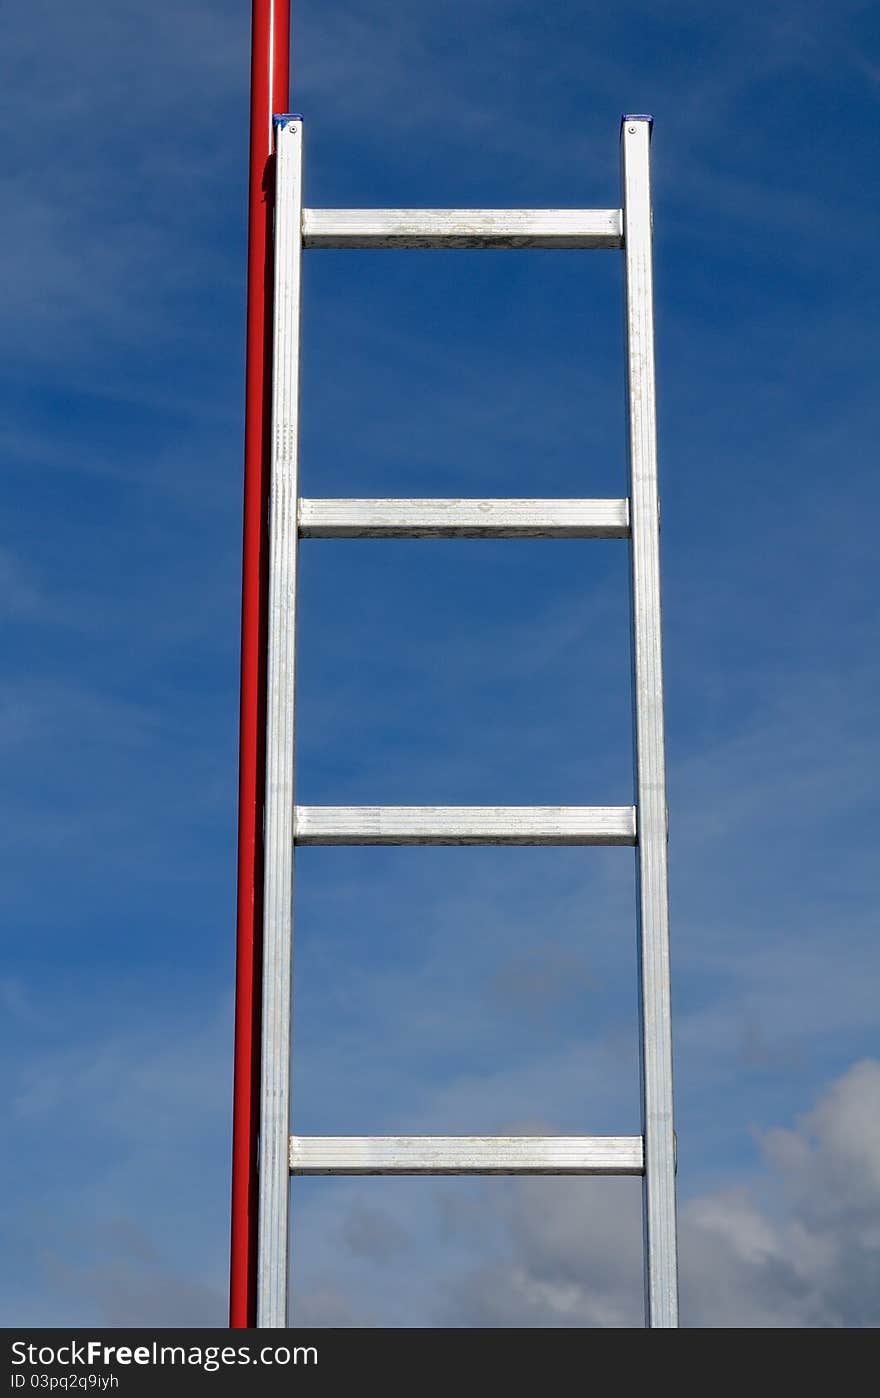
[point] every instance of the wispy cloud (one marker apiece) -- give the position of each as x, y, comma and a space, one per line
460, 989
795, 1246
122, 1221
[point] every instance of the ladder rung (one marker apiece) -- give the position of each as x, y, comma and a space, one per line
464, 519
462, 228
466, 1155
465, 825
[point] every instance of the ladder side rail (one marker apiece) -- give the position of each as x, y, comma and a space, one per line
274, 1191
270, 76
661, 1279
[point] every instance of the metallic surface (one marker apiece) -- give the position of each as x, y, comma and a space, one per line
464, 519
465, 825
466, 1155
270, 49
651, 1154
272, 1241
462, 228
661, 1283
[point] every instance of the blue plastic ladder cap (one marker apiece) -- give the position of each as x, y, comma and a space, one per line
281, 117
637, 116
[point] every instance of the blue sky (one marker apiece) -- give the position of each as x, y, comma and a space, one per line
442, 990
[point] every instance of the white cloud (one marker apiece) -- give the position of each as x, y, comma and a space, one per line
795, 1242
143, 151
119, 1179
125, 1282
797, 1246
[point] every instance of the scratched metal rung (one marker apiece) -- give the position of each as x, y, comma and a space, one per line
466, 1155
462, 228
465, 825
463, 519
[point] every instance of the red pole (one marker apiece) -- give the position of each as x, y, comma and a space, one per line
270, 78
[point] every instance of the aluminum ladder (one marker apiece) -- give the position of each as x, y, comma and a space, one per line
644, 825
